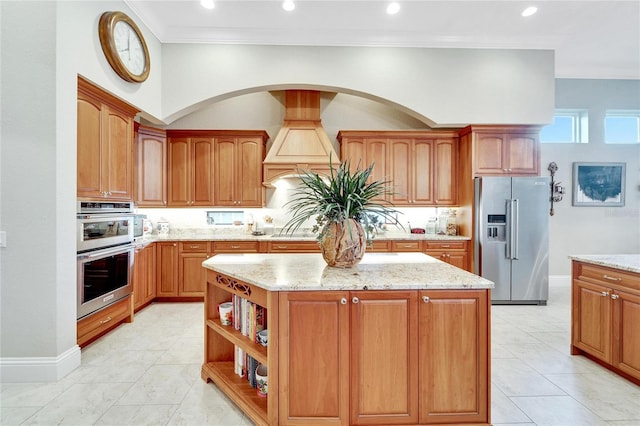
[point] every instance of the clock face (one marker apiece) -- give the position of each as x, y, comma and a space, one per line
129, 47
124, 46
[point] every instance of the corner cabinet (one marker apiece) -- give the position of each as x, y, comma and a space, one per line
408, 357
104, 145
422, 165
605, 317
150, 177
501, 150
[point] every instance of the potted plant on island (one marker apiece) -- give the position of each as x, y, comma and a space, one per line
347, 209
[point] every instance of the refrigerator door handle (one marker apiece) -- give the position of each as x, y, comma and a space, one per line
515, 227
509, 229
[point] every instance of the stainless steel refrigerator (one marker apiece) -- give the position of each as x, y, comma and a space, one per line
512, 237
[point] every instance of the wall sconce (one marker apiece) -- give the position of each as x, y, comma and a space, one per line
557, 190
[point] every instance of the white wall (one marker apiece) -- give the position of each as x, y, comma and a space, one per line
445, 87
594, 230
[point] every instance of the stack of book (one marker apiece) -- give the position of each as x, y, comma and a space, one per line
249, 319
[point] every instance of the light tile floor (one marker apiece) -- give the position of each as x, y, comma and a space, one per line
148, 373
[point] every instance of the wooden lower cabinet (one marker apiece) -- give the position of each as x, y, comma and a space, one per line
144, 276
386, 357
453, 252
454, 356
167, 269
95, 325
605, 316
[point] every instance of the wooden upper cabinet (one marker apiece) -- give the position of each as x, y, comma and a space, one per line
503, 150
190, 171
421, 166
150, 188
215, 167
104, 145
238, 170
445, 175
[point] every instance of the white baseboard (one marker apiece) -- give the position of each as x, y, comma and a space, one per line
39, 369
559, 280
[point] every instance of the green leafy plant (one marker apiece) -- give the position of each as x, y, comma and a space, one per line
339, 196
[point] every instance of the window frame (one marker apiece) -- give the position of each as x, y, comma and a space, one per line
579, 127
630, 113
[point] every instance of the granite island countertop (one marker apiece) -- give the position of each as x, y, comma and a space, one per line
623, 262
376, 271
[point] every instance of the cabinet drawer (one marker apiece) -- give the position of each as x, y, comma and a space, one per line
446, 245
194, 246
94, 325
236, 247
293, 246
608, 276
379, 245
406, 246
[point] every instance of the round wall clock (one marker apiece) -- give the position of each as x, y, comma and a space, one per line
124, 46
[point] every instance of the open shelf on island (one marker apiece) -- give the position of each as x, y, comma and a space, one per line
256, 350
223, 375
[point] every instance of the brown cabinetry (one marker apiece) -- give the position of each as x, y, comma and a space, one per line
293, 247
606, 317
501, 150
453, 357
150, 178
215, 167
104, 145
355, 329
95, 325
238, 170
191, 274
421, 166
235, 247
453, 252
190, 171
144, 276
167, 269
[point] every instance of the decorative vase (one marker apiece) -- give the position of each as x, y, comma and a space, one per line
343, 244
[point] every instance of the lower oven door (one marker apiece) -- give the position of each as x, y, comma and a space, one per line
104, 277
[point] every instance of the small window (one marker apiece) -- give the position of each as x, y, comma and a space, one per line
569, 126
217, 217
622, 127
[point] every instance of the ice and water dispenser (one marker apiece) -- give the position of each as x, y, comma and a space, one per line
496, 227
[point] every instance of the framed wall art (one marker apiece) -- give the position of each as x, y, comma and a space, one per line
599, 184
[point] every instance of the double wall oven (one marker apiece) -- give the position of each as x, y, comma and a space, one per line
105, 253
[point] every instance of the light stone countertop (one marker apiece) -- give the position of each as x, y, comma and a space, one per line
376, 271
623, 262
211, 235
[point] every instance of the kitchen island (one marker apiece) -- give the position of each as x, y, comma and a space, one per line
605, 311
401, 338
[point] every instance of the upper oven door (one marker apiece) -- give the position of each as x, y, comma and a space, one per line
103, 230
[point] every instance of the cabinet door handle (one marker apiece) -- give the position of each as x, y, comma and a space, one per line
355, 300
235, 247
604, 293
282, 247
425, 299
445, 246
194, 247
610, 278
615, 296
343, 301
104, 321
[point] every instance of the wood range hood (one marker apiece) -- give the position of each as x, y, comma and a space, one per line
302, 143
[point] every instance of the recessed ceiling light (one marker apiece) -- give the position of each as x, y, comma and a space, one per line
288, 5
529, 11
207, 4
393, 8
